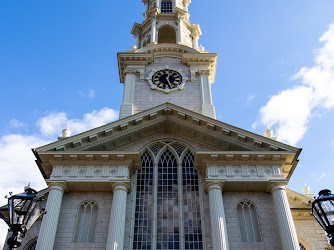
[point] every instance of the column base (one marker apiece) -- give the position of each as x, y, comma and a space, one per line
126, 110
209, 110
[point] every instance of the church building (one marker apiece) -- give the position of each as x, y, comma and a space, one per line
167, 174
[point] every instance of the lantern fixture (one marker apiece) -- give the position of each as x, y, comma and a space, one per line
23, 211
323, 211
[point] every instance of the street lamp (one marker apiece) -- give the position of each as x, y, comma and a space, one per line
23, 211
323, 211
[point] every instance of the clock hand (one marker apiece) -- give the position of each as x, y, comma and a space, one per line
167, 78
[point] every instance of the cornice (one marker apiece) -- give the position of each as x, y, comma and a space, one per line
245, 162
167, 50
132, 59
90, 163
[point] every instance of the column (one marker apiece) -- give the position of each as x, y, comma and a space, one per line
154, 30
195, 42
158, 4
207, 107
117, 217
138, 40
286, 226
47, 232
217, 216
180, 32
129, 93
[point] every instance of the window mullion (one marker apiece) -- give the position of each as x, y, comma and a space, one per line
181, 213
134, 199
155, 207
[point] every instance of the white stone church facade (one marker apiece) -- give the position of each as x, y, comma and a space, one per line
167, 174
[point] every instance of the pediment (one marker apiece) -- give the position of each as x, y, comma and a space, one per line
219, 140
172, 119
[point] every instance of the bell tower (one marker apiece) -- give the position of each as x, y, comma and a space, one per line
167, 64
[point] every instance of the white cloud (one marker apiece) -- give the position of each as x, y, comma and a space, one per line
17, 162
16, 123
18, 168
52, 124
291, 110
89, 94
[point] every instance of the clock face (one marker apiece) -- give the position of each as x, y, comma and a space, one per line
167, 79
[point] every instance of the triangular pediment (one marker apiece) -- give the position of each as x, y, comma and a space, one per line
167, 118
220, 139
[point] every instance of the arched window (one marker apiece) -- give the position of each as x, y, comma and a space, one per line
31, 245
248, 222
167, 213
302, 247
166, 6
166, 34
86, 222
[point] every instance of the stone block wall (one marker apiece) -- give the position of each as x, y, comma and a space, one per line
310, 234
68, 216
189, 97
267, 220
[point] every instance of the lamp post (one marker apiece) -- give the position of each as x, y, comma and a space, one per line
23, 211
323, 211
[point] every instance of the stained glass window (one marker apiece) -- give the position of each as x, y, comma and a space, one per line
191, 204
167, 211
301, 246
144, 205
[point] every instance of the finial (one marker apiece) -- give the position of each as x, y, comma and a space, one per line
27, 187
269, 134
66, 132
134, 47
201, 48
306, 189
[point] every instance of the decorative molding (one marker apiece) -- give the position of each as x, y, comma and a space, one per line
74, 172
243, 171
120, 134
215, 134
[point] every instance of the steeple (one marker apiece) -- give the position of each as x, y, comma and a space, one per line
167, 64
166, 21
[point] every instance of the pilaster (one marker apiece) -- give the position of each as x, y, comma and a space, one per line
47, 232
117, 217
286, 225
217, 216
129, 92
207, 107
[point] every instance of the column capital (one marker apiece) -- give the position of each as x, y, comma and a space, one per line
130, 71
204, 72
214, 185
57, 185
121, 186
275, 185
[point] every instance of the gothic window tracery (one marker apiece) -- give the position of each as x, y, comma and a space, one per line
86, 222
248, 222
166, 6
167, 211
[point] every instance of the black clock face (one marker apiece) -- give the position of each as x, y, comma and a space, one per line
167, 79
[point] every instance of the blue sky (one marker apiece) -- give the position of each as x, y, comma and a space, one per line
58, 65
